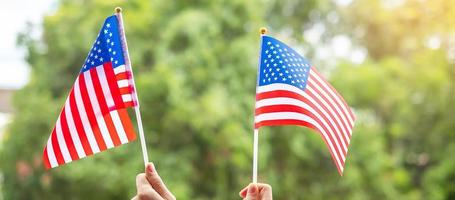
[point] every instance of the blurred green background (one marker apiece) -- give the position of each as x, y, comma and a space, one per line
195, 63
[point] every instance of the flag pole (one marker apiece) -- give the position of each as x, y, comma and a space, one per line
126, 55
262, 31
255, 155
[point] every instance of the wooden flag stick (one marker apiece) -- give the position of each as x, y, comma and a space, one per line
262, 31
126, 55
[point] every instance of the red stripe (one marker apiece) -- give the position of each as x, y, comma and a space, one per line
282, 122
289, 94
297, 109
336, 92
301, 123
125, 90
91, 116
337, 115
67, 136
122, 75
104, 109
129, 104
46, 162
78, 124
127, 125
56, 148
113, 86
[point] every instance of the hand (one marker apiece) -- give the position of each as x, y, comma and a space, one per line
150, 186
256, 191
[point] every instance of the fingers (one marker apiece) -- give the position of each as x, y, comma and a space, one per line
144, 189
252, 193
264, 190
155, 180
243, 192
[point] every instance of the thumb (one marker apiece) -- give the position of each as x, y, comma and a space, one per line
253, 192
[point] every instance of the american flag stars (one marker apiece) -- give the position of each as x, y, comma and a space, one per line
105, 48
281, 64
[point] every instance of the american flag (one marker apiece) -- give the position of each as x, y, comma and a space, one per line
94, 116
291, 92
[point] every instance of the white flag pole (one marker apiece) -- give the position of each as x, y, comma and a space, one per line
126, 55
255, 155
263, 31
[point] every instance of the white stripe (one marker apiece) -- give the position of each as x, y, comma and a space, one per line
332, 104
295, 102
279, 86
127, 97
119, 69
335, 96
73, 130
285, 115
96, 108
119, 126
50, 153
122, 83
105, 86
61, 141
302, 117
84, 118
332, 112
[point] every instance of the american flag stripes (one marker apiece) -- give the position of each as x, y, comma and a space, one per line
291, 92
94, 116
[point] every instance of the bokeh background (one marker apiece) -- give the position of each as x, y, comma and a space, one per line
195, 63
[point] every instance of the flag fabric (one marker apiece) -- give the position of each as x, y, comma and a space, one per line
94, 116
292, 92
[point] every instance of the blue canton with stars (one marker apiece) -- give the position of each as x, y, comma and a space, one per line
281, 64
107, 46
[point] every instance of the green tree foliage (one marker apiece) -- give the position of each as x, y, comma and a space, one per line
195, 67
407, 86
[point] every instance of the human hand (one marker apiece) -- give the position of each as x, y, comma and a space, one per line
150, 186
256, 191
